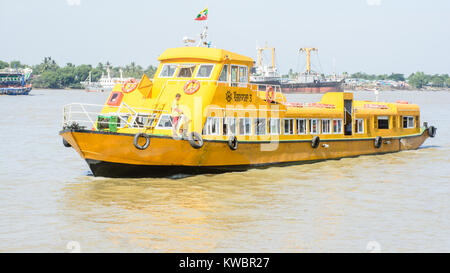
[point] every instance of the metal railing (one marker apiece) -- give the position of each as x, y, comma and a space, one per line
84, 115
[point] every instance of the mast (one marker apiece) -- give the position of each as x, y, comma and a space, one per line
260, 51
308, 57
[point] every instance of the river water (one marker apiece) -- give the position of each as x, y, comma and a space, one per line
49, 203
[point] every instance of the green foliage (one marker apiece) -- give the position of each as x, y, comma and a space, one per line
396, 77
3, 64
49, 74
418, 79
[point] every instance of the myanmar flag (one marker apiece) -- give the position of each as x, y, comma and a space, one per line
203, 15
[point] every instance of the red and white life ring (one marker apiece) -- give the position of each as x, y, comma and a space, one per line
129, 86
270, 94
191, 87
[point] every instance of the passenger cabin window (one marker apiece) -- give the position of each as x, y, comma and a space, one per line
274, 126
314, 126
326, 126
408, 122
301, 126
204, 70
359, 126
168, 70
186, 71
288, 126
165, 122
337, 126
245, 126
260, 126
229, 126
224, 74
212, 126
383, 122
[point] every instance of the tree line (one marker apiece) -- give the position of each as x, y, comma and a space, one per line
417, 80
48, 74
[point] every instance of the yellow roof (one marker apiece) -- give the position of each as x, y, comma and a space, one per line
205, 53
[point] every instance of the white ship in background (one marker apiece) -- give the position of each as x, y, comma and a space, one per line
106, 83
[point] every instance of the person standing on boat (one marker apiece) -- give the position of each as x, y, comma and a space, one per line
176, 115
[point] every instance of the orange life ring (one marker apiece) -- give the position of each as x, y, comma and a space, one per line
191, 87
269, 90
131, 82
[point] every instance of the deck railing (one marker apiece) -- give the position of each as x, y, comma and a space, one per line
84, 115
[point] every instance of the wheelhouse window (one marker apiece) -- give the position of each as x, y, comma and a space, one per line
408, 122
243, 76
313, 126
383, 122
337, 126
288, 126
229, 126
224, 74
245, 126
204, 70
212, 126
165, 122
167, 71
301, 126
260, 126
359, 124
326, 126
186, 71
234, 75
274, 126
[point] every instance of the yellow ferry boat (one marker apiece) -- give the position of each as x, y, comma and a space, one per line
225, 123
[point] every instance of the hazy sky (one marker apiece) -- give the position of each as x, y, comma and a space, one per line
374, 36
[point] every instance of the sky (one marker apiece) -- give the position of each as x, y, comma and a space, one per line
373, 36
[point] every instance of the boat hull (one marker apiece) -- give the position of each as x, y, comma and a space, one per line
114, 155
309, 87
15, 91
313, 87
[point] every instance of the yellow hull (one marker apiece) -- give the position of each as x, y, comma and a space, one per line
114, 154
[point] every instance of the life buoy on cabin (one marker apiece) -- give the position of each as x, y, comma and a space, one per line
136, 141
233, 143
196, 140
191, 87
378, 141
315, 142
432, 131
129, 86
270, 94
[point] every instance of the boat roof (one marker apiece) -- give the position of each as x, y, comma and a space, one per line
204, 53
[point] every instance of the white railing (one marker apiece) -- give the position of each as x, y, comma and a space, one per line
84, 115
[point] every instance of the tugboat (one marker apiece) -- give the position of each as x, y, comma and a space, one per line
201, 114
15, 81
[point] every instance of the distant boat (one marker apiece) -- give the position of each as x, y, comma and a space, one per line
105, 84
15, 81
306, 82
